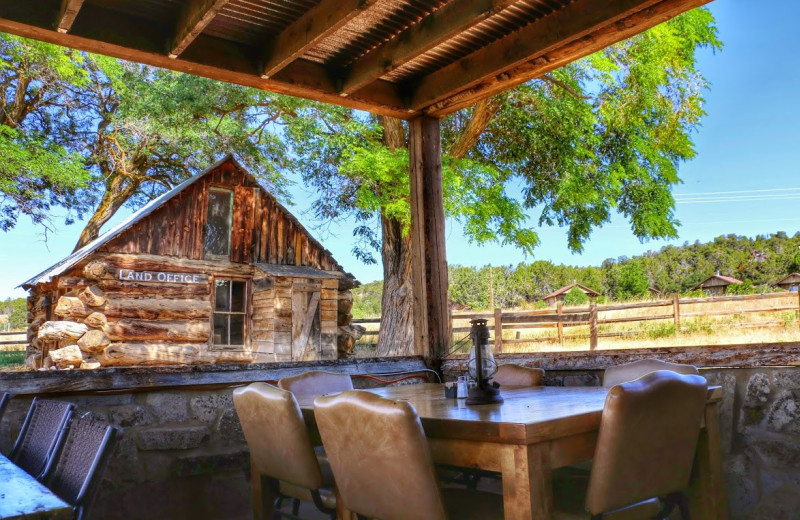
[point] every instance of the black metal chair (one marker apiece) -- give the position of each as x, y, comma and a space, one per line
37, 438
78, 461
5, 397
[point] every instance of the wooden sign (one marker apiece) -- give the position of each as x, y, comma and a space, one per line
131, 275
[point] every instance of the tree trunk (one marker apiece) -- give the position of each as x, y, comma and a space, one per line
119, 188
396, 337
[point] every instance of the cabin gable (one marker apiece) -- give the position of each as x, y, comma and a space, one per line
261, 230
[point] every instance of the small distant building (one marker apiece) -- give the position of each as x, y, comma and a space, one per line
558, 295
716, 284
790, 283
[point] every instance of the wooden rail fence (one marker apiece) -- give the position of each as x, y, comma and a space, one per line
561, 318
13, 338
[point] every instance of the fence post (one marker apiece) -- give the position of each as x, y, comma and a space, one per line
560, 311
592, 326
498, 330
676, 312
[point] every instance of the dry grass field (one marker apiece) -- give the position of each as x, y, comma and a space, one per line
750, 319
12, 356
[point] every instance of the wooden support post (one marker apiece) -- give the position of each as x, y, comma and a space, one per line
676, 312
593, 326
498, 331
560, 312
428, 256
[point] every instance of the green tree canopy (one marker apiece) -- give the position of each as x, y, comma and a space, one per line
93, 133
603, 135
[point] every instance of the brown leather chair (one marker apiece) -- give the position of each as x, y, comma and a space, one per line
280, 449
382, 463
516, 375
646, 446
316, 382
630, 371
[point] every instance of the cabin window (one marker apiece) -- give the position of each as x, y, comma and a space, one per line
230, 312
219, 221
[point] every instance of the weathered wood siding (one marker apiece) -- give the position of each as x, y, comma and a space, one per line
262, 230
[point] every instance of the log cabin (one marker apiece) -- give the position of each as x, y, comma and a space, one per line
215, 270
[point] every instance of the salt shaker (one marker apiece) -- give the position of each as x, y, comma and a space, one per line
461, 387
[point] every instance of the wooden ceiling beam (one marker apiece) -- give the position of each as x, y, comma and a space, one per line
438, 27
574, 21
107, 32
304, 33
562, 55
67, 13
195, 15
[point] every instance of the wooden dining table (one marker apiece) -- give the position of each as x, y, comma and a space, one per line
534, 431
22, 496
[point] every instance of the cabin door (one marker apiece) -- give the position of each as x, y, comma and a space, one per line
306, 320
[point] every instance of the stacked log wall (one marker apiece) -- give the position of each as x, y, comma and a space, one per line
109, 322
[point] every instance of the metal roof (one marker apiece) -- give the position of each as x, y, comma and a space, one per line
393, 57
73, 259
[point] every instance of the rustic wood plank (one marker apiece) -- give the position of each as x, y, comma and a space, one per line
313, 26
569, 23
461, 95
133, 379
116, 34
436, 28
67, 13
195, 15
428, 255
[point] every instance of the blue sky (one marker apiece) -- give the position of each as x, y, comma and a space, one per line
747, 159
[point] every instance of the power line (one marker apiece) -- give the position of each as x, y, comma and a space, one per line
732, 192
743, 198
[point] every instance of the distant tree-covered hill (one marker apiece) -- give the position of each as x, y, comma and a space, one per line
761, 261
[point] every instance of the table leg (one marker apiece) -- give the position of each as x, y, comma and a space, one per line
342, 513
527, 482
707, 490
264, 495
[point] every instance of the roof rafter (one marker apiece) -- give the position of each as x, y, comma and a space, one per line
194, 17
439, 26
491, 65
317, 23
121, 36
67, 13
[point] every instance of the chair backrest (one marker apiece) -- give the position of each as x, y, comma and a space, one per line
79, 460
273, 426
379, 456
630, 371
647, 439
5, 397
39, 433
316, 382
516, 375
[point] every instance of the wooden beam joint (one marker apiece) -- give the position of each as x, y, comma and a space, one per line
66, 15
194, 17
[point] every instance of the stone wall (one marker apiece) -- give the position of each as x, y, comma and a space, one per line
181, 454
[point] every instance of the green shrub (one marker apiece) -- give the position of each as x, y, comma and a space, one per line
575, 297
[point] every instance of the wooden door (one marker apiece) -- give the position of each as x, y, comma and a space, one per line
306, 327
